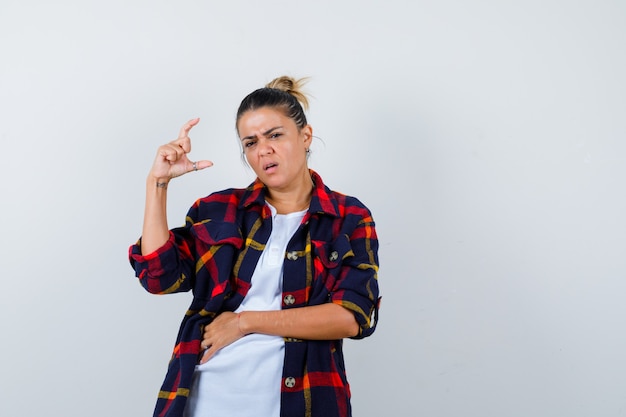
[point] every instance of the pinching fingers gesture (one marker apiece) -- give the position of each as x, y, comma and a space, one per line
172, 158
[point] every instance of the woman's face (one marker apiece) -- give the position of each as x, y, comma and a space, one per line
275, 148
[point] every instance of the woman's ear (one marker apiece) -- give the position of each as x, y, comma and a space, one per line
307, 132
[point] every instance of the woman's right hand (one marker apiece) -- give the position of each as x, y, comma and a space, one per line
172, 161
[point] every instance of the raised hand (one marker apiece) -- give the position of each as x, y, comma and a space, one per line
172, 161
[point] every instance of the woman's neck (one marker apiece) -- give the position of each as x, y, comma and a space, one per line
291, 201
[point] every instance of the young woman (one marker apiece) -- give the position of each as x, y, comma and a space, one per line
280, 271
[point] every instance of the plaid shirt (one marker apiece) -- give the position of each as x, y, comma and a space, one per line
332, 257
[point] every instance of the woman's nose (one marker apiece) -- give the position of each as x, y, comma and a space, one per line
264, 147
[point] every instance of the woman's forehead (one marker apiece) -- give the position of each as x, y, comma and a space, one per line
262, 120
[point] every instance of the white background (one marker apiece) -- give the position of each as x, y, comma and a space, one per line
487, 138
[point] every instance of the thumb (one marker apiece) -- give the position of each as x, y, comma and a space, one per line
198, 165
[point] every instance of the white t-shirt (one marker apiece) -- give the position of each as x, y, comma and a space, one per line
243, 379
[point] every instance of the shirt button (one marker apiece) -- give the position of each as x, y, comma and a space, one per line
333, 256
289, 299
292, 256
290, 382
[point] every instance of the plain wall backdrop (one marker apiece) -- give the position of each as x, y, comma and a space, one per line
487, 137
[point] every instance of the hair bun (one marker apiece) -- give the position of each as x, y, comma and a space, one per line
291, 86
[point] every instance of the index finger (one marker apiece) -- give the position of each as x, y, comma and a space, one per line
184, 131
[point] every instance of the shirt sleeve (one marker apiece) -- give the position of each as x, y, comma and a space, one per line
168, 269
356, 285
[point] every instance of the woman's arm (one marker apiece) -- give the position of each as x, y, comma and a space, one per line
171, 161
155, 229
320, 322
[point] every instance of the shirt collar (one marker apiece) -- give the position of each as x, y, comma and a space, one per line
322, 201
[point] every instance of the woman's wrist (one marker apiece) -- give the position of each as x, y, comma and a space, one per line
241, 325
159, 182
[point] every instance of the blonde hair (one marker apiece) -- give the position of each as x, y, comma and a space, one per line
291, 86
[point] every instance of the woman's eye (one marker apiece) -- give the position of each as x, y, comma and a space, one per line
248, 144
275, 135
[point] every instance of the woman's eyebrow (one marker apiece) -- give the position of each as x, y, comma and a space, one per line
266, 133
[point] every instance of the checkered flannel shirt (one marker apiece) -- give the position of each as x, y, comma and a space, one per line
332, 257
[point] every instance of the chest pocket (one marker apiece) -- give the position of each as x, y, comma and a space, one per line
331, 256
214, 232
217, 245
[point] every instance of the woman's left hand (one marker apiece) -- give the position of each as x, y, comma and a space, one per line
221, 332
